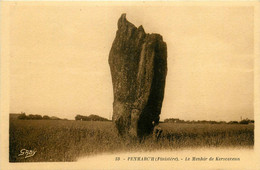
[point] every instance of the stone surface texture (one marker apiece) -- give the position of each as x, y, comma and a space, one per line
138, 65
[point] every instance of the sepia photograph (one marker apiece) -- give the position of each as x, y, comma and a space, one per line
129, 85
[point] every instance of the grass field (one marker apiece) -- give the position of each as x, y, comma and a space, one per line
61, 140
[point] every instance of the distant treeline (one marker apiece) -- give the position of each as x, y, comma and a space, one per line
23, 116
90, 118
174, 120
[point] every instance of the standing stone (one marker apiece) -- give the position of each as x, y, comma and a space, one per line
138, 64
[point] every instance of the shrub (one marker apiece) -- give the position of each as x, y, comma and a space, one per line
22, 116
46, 117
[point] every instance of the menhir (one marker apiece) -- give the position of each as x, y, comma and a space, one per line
138, 64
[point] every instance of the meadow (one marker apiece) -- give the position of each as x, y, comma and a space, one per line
68, 140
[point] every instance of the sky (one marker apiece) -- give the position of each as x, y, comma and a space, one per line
59, 59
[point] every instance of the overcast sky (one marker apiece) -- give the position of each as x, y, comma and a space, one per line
59, 59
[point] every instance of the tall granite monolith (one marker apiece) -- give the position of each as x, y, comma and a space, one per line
138, 64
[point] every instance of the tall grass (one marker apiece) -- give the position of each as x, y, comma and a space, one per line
58, 140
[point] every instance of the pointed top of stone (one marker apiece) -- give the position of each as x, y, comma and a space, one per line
141, 28
122, 22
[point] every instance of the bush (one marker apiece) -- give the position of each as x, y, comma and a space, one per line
34, 117
22, 116
90, 118
46, 117
245, 121
233, 122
